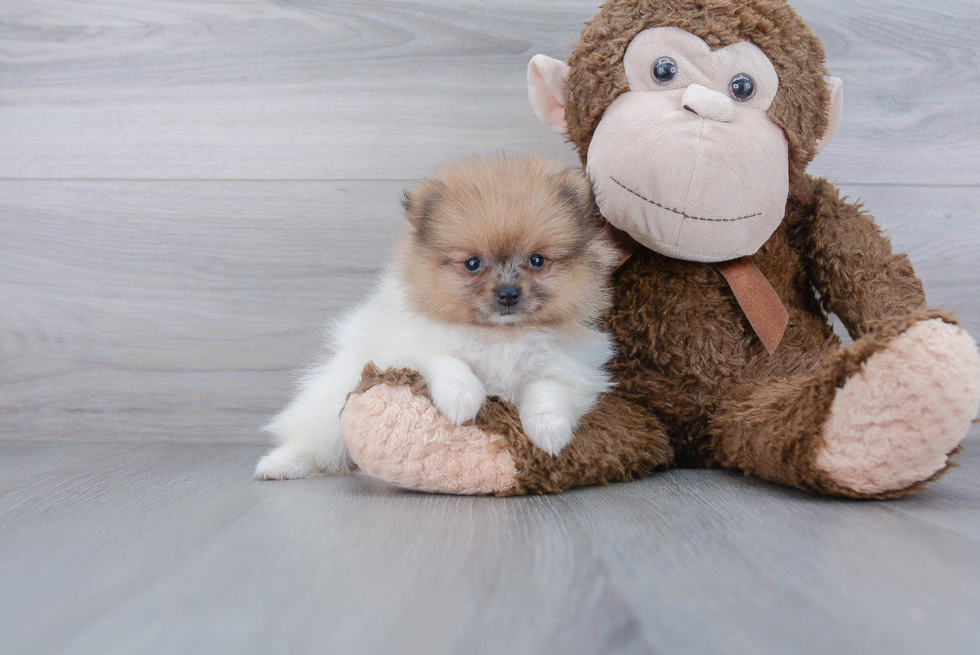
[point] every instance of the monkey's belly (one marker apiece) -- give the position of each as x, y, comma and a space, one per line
685, 345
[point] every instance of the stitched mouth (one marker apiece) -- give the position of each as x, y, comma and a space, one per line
679, 212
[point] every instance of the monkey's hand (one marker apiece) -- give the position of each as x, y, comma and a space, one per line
850, 262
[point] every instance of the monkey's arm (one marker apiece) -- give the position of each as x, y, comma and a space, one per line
849, 261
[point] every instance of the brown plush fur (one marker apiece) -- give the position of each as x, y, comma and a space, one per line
503, 210
695, 386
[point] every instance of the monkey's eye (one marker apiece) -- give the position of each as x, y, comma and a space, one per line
664, 71
536, 261
473, 265
742, 87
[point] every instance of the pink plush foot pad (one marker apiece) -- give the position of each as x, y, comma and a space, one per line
895, 422
401, 438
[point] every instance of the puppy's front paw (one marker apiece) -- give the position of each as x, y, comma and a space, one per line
458, 398
549, 432
284, 463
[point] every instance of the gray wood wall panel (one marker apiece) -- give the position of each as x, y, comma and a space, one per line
181, 309
383, 90
160, 261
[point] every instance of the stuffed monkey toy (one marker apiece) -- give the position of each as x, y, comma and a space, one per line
695, 120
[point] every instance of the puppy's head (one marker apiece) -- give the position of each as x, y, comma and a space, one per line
506, 241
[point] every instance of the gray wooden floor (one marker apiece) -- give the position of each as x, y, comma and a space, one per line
188, 189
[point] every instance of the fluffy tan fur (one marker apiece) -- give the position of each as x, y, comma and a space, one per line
503, 211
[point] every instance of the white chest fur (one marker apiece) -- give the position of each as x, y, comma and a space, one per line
502, 363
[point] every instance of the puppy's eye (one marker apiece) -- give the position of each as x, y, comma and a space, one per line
473, 264
742, 87
664, 71
536, 261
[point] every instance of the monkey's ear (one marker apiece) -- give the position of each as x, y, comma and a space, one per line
546, 88
420, 202
836, 86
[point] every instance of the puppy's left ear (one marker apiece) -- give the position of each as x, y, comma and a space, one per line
420, 202
575, 190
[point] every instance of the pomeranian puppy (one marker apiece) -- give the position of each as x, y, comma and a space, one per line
498, 288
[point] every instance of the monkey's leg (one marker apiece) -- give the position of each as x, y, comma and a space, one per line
394, 433
877, 420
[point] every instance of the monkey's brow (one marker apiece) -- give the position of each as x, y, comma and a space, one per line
677, 211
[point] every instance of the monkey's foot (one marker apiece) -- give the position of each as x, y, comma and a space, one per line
895, 422
395, 433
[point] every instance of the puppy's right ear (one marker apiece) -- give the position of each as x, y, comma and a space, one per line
420, 202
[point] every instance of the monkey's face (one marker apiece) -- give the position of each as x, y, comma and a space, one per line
688, 162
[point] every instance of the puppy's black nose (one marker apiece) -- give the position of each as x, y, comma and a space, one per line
508, 296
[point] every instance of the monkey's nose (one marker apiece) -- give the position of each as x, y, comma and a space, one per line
508, 296
708, 104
